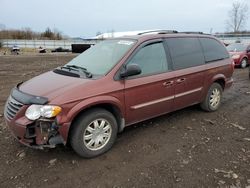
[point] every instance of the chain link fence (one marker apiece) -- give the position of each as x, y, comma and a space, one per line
48, 44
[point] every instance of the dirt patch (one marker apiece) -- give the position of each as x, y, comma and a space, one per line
187, 148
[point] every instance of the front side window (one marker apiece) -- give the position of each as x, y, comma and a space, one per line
213, 50
100, 59
151, 59
185, 52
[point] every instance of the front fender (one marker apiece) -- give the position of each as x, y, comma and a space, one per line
95, 101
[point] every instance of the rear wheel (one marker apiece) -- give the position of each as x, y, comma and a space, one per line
243, 63
93, 133
213, 99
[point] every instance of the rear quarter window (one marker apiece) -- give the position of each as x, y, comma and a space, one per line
185, 52
213, 50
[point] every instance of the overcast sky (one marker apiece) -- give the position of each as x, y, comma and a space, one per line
82, 18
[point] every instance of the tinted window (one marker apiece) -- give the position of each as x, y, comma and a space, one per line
151, 59
213, 50
185, 52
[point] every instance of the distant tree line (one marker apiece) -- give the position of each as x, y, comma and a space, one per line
28, 34
233, 34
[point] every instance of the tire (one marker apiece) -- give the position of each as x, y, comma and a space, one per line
243, 63
213, 99
93, 133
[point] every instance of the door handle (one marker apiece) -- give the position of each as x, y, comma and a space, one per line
178, 81
168, 84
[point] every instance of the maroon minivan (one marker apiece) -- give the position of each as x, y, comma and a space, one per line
114, 84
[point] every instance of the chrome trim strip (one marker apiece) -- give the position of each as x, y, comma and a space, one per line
152, 102
188, 92
135, 107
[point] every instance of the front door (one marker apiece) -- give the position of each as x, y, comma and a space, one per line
152, 92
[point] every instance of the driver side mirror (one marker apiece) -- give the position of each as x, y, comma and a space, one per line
130, 70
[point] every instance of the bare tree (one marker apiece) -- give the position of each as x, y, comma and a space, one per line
237, 16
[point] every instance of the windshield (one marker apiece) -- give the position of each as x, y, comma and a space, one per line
99, 59
236, 47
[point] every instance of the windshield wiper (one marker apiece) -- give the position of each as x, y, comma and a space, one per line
67, 73
77, 68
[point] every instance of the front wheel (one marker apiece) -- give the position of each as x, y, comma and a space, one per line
213, 99
93, 133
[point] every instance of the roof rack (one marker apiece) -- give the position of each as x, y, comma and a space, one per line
171, 32
158, 32
192, 32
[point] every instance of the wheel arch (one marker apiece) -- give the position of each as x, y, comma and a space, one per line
220, 79
109, 105
244, 57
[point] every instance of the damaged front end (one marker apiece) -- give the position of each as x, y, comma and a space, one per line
31, 128
44, 133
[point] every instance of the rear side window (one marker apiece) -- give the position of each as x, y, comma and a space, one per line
213, 50
185, 52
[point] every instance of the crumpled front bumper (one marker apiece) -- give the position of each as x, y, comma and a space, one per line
36, 134
39, 134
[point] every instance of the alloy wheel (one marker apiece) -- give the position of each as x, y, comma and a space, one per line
215, 98
97, 134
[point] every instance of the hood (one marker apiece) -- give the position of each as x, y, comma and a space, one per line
51, 85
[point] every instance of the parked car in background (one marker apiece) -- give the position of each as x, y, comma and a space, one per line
41, 50
226, 44
15, 50
240, 53
117, 83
